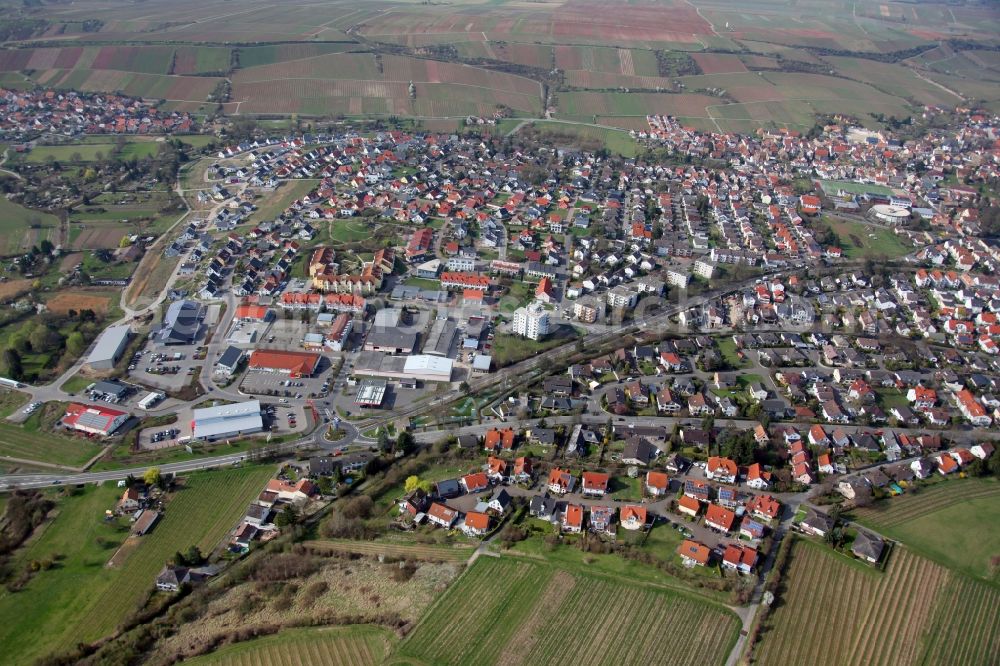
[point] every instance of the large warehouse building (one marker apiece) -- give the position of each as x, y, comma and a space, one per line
212, 423
420, 367
109, 347
181, 323
291, 363
93, 420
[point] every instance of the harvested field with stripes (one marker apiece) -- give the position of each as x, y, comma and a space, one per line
834, 610
511, 611
329, 646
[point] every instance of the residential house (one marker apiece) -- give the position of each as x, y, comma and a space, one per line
694, 553
572, 519
439, 514
657, 483
633, 517
560, 481
739, 558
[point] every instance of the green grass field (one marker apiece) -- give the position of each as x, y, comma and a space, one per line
81, 599
278, 201
508, 349
22, 227
860, 240
508, 611
615, 141
91, 152
954, 522
359, 645
31, 442
348, 231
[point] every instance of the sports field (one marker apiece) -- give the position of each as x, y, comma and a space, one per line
514, 611
82, 599
954, 522
833, 610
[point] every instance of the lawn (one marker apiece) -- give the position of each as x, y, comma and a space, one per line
275, 203
81, 599
616, 141
76, 383
729, 352
833, 610
360, 645
625, 488
349, 231
954, 522
22, 227
890, 398
508, 349
423, 283
520, 293
91, 152
508, 611
861, 240
30, 441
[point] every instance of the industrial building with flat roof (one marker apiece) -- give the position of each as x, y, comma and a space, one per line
420, 367
242, 418
109, 347
292, 363
92, 419
181, 323
441, 337
371, 393
391, 340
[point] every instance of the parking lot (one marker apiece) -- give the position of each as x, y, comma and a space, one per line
279, 419
284, 334
279, 385
166, 368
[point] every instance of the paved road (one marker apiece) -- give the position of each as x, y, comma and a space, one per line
315, 439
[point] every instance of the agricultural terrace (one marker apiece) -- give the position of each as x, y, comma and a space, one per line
955, 522
327, 646
254, 56
363, 83
83, 599
896, 80
835, 610
666, 24
23, 227
506, 610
